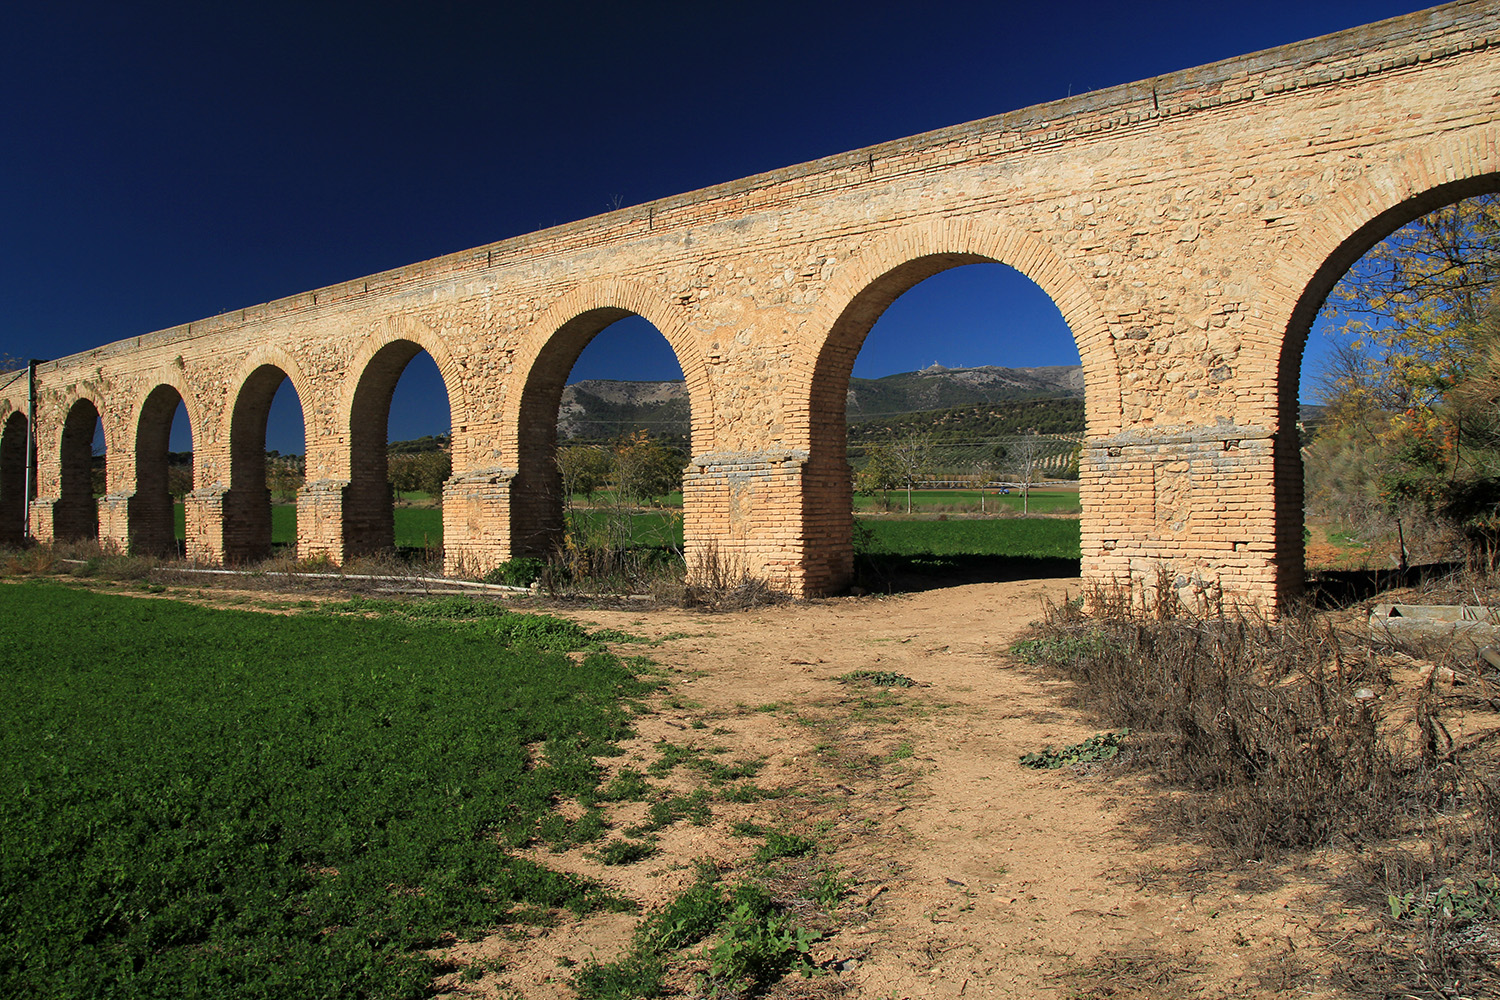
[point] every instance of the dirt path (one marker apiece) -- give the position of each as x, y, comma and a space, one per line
970, 876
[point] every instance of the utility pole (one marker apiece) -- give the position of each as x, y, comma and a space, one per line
29, 493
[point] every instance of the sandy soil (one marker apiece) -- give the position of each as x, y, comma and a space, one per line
969, 875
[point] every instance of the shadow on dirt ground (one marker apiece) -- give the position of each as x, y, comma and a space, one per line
899, 574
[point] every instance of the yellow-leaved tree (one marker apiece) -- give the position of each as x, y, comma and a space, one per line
1405, 434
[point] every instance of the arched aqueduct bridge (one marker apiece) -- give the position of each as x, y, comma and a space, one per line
1188, 227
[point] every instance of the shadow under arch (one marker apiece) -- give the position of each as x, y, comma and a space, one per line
247, 502
76, 513
13, 499
1368, 211
151, 523
536, 509
875, 279
368, 515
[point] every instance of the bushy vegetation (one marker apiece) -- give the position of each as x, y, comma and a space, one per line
630, 532
223, 804
422, 472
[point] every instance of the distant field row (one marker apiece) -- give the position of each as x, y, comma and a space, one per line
1048, 501
420, 527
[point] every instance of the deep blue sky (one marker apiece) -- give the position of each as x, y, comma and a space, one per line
162, 162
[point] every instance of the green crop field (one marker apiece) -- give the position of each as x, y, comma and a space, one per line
228, 804
416, 527
650, 528
1032, 537
419, 527
284, 524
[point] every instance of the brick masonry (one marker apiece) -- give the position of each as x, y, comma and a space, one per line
1188, 227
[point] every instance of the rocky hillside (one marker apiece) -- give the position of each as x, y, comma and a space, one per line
604, 408
939, 388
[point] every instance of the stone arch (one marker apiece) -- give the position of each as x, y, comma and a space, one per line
862, 290
76, 513
13, 499
544, 361
151, 523
368, 520
882, 272
247, 501
1326, 245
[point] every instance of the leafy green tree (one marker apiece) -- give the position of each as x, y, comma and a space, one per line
644, 469
179, 480
419, 472
585, 470
284, 475
878, 475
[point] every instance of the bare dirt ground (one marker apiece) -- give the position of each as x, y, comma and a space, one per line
968, 875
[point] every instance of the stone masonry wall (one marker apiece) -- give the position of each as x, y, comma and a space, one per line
1187, 227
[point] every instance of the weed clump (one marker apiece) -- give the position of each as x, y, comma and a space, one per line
626, 852
754, 939
521, 571
878, 678
1094, 750
512, 628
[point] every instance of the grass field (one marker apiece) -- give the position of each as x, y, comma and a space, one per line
228, 804
1028, 537
1042, 501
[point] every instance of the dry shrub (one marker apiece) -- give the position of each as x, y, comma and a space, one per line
406, 564
580, 569
1278, 729
720, 583
1277, 724
83, 558
35, 560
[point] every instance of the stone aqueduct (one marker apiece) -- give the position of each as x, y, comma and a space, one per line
1188, 227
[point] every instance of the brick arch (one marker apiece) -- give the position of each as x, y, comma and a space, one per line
1347, 226
150, 512
13, 478
268, 357
559, 335
363, 414
900, 259
547, 354
377, 365
168, 380
862, 290
247, 501
76, 513
1327, 244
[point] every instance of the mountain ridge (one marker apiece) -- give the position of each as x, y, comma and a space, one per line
604, 408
